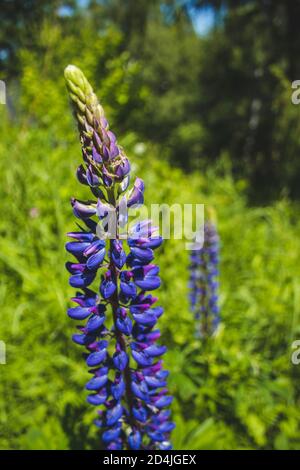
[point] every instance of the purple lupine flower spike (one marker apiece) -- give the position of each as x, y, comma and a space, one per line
203, 282
128, 382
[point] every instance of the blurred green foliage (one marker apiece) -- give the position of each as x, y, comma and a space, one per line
236, 390
198, 96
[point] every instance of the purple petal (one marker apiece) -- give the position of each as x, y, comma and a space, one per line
96, 358
156, 436
82, 210
149, 283
96, 156
107, 288
140, 390
120, 360
147, 319
94, 247
94, 322
122, 168
95, 260
128, 289
114, 414
155, 350
118, 254
81, 175
140, 414
96, 382
111, 435
81, 236
163, 401
83, 339
91, 177
166, 427
141, 358
124, 325
97, 398
142, 254
82, 280
77, 248
118, 388
155, 383
135, 440
136, 195
79, 313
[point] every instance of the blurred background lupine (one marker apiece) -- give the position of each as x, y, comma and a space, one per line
199, 94
203, 284
128, 377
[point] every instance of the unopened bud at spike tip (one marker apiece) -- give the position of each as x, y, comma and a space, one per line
74, 76
82, 95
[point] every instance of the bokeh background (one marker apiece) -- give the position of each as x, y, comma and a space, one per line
199, 94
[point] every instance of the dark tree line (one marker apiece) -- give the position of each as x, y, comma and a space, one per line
226, 93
